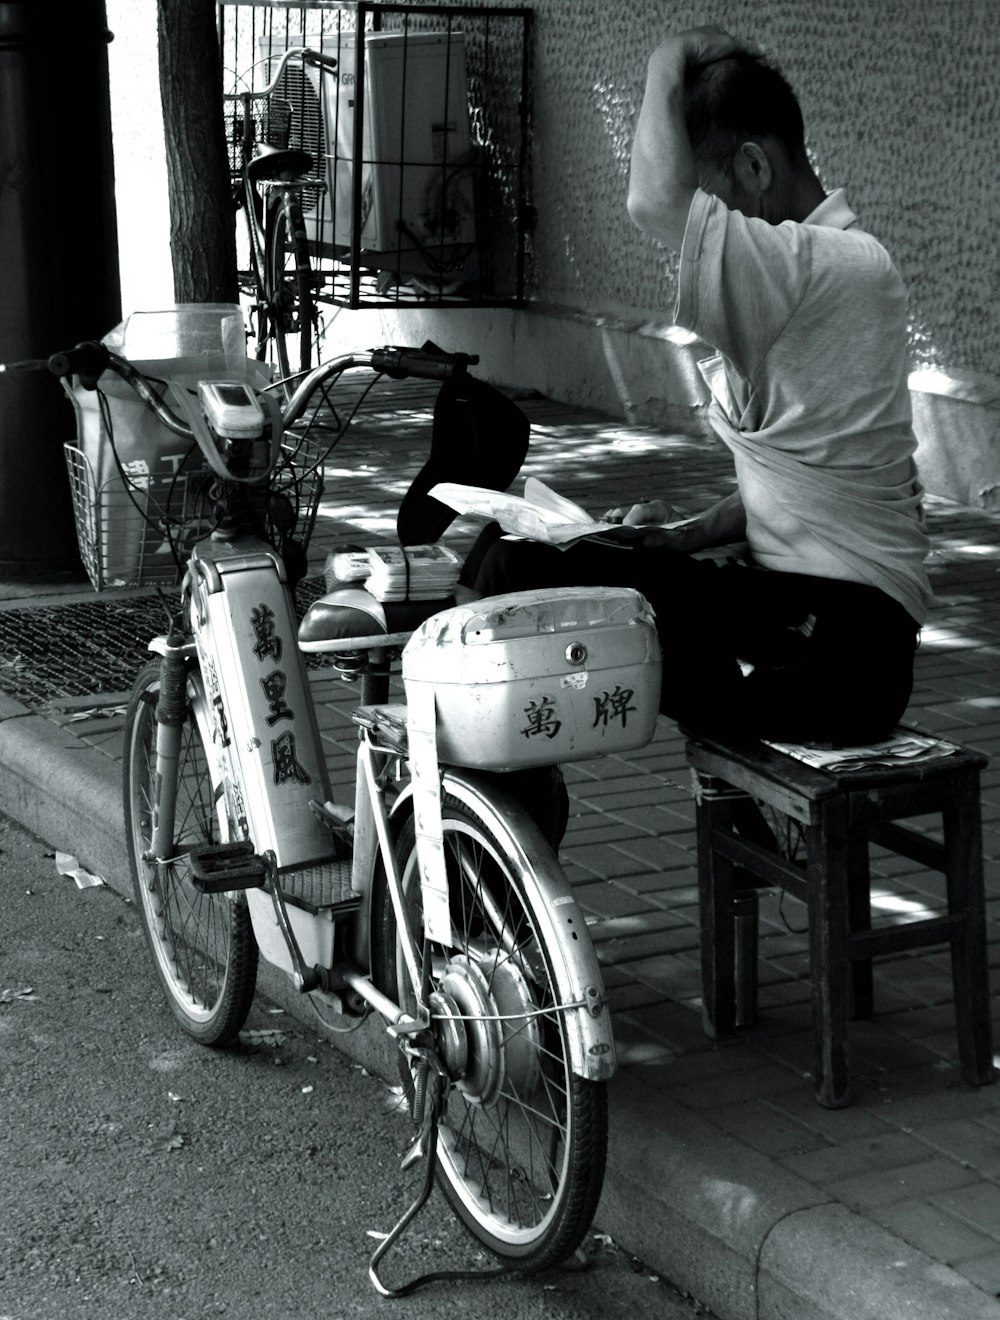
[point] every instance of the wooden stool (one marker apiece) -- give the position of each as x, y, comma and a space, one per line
841, 814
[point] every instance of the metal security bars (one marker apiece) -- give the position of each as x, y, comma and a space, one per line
419, 190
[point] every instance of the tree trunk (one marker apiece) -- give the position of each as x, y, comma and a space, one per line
202, 232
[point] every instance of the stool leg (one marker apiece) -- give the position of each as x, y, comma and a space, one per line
715, 906
969, 960
828, 946
859, 905
746, 931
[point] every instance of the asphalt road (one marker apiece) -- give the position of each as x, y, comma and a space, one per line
143, 1176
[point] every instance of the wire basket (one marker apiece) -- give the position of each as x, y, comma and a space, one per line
140, 531
137, 531
294, 492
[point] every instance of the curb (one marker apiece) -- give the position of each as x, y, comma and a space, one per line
718, 1219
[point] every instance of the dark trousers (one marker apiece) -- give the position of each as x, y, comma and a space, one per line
823, 660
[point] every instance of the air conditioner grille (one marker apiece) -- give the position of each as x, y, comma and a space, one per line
305, 129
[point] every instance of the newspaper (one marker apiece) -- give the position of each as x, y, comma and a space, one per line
902, 748
539, 515
392, 572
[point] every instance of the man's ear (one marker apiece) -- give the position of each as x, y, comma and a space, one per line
752, 168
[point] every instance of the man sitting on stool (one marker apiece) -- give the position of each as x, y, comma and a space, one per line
814, 641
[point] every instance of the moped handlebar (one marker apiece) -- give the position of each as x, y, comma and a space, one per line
398, 363
421, 362
90, 359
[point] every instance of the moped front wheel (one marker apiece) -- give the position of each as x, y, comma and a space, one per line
521, 1141
203, 945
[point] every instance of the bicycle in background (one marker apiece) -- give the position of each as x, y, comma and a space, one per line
270, 180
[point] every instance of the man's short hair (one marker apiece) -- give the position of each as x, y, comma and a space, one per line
738, 98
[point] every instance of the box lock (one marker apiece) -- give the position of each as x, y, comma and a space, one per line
576, 653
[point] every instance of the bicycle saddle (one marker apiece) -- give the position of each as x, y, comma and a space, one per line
351, 614
284, 163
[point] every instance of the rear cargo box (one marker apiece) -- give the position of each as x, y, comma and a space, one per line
538, 677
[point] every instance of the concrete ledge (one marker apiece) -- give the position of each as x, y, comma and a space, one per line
632, 366
957, 423
692, 1201
64, 791
829, 1264
618, 364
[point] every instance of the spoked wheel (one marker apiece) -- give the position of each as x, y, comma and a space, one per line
203, 945
289, 321
522, 1139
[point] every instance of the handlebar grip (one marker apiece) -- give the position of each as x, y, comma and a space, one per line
401, 362
87, 359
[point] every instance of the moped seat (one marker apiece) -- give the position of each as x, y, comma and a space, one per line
351, 619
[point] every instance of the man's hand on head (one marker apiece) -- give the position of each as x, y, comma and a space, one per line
663, 175
702, 45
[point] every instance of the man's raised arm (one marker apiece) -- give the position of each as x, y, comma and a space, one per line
664, 174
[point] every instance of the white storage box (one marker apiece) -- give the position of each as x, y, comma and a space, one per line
137, 486
538, 677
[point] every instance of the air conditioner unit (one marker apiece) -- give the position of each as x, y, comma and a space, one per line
418, 162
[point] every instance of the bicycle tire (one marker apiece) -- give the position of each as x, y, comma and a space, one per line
531, 1205
290, 306
203, 945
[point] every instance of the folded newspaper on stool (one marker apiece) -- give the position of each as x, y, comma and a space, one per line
903, 748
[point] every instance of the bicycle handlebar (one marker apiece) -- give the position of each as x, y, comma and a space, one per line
308, 56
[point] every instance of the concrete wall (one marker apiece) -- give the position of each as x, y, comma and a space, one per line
902, 106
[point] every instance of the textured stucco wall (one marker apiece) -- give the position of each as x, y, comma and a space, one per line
902, 106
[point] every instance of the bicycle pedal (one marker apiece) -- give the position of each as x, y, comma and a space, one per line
218, 868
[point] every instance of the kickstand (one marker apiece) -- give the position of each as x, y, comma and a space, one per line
403, 1224
425, 1144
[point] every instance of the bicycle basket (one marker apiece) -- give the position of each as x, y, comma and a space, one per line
295, 490
276, 122
135, 532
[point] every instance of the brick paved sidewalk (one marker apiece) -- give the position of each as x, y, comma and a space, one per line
918, 1153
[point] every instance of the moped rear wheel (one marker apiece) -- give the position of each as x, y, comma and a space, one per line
521, 1142
203, 945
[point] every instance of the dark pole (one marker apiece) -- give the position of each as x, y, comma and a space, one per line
58, 260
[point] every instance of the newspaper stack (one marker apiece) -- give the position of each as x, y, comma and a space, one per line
903, 748
392, 572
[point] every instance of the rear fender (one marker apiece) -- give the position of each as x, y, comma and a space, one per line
564, 929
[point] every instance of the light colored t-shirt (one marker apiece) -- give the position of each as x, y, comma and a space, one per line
809, 391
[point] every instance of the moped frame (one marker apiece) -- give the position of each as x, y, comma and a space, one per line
255, 684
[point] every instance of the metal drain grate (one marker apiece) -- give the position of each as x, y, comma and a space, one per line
86, 648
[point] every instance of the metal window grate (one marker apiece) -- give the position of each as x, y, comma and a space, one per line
423, 188
90, 647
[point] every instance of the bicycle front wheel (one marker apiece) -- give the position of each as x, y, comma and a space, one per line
203, 945
291, 310
522, 1139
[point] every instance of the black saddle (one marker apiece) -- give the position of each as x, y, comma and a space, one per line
279, 163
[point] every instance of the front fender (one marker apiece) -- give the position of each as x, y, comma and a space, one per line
563, 926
